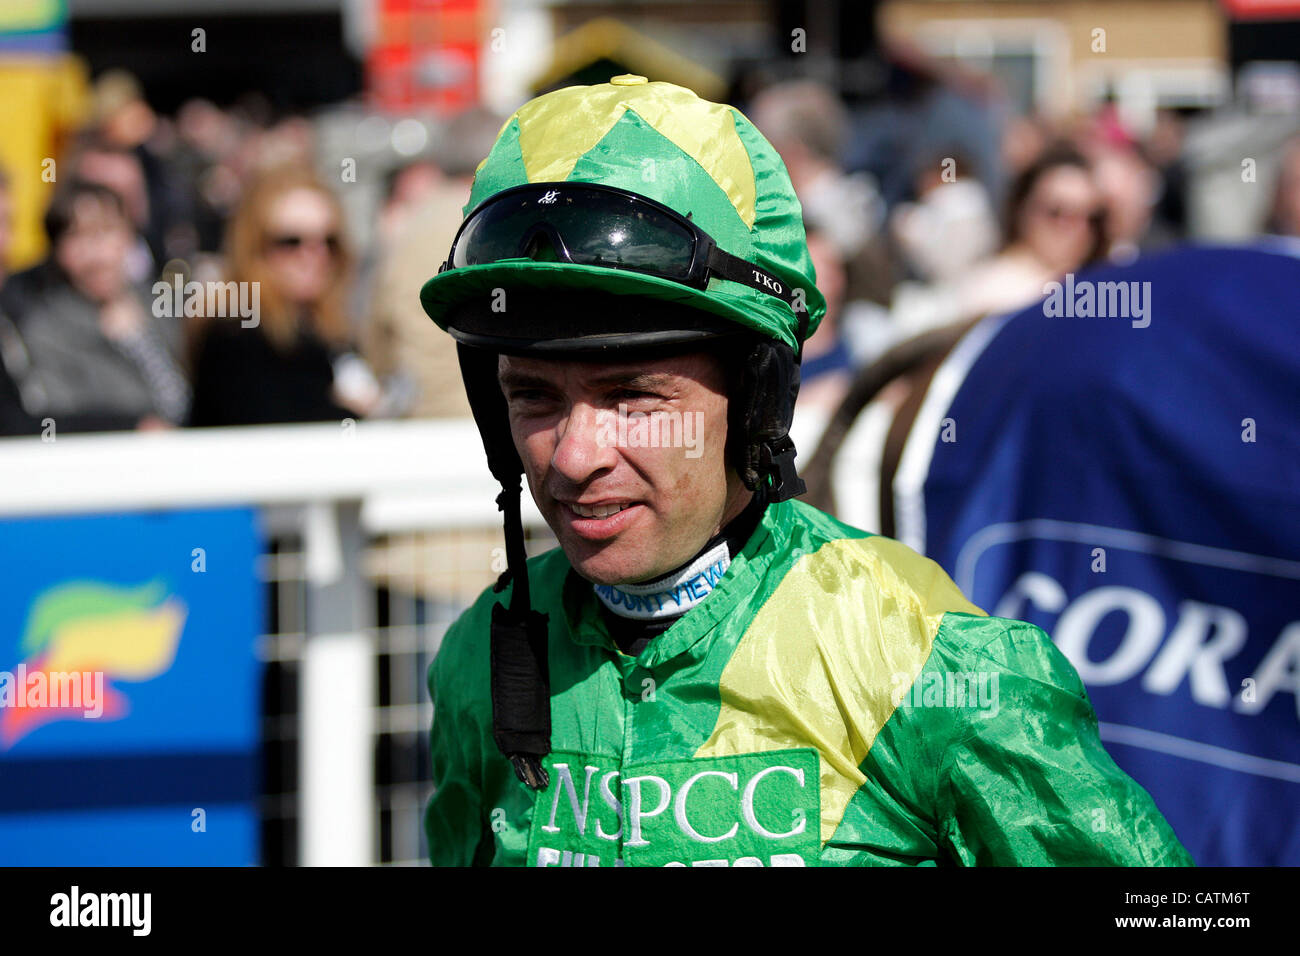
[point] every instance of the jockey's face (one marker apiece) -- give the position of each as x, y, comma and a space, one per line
626, 461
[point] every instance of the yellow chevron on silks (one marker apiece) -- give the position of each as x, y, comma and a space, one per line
813, 667
560, 128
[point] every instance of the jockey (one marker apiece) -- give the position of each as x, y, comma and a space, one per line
707, 671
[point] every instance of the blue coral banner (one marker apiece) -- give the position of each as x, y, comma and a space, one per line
129, 689
1132, 485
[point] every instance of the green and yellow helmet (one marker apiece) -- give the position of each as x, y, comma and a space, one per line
703, 161
629, 215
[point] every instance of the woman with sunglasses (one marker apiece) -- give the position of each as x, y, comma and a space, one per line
1055, 224
293, 362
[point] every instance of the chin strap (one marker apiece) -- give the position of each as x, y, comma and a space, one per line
776, 462
521, 685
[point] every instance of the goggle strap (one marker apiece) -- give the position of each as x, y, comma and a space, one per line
741, 270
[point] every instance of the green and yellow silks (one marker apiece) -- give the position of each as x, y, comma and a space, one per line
834, 701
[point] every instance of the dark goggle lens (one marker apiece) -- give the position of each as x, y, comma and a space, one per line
578, 227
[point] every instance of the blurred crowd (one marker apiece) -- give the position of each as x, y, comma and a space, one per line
236, 195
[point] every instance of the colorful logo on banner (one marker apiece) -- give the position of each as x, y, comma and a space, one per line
1136, 493
81, 639
129, 689
26, 16
33, 26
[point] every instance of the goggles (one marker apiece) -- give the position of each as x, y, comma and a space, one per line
595, 225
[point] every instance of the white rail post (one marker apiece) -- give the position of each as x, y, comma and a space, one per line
336, 824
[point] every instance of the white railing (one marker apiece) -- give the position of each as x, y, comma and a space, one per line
335, 484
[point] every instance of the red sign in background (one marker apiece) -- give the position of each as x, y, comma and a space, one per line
1262, 9
426, 55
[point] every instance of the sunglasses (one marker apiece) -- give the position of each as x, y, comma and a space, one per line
293, 242
596, 225
1059, 213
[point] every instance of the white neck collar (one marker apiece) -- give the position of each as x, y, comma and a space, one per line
671, 595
